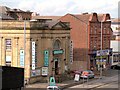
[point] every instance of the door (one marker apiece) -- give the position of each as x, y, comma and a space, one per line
56, 68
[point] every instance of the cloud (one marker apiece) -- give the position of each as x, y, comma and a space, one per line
61, 7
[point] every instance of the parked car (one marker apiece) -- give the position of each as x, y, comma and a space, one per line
87, 74
117, 66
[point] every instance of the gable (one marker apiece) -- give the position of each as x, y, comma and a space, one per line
61, 25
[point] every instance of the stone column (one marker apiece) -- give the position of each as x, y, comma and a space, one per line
3, 51
27, 59
15, 51
0, 50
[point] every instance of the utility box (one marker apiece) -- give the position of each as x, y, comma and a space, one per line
11, 78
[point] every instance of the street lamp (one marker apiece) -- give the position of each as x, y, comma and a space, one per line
101, 52
24, 41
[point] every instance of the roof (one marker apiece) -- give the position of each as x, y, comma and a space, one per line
54, 18
5, 17
52, 23
85, 18
4, 10
115, 20
88, 17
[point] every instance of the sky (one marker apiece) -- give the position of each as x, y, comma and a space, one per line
62, 7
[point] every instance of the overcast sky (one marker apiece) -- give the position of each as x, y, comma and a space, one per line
62, 7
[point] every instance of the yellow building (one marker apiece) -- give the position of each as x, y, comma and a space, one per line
41, 47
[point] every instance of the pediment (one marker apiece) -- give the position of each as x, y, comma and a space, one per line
60, 25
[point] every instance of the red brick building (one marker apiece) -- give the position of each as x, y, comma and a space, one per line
86, 37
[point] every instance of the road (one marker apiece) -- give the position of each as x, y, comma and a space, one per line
111, 82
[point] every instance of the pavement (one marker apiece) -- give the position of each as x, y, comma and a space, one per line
92, 83
99, 83
62, 85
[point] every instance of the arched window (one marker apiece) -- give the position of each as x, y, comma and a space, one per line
57, 44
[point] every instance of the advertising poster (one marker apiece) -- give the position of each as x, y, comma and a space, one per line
38, 72
22, 58
33, 73
44, 71
77, 77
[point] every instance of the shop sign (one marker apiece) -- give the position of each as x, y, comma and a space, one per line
58, 51
71, 51
46, 58
101, 62
44, 71
102, 52
22, 58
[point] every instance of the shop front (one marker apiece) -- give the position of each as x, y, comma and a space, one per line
100, 59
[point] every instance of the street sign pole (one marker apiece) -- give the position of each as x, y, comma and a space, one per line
101, 54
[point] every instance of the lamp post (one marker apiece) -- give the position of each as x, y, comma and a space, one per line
101, 52
24, 41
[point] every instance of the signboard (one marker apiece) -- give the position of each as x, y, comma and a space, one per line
52, 81
46, 58
22, 58
33, 55
37, 72
8, 44
102, 52
33, 73
71, 52
77, 77
58, 51
44, 71
101, 62
8, 58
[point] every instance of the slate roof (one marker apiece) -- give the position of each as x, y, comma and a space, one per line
53, 18
5, 17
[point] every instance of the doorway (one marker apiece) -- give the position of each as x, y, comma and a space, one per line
56, 68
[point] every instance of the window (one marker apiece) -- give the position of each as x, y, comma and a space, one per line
8, 44
95, 31
91, 31
57, 44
